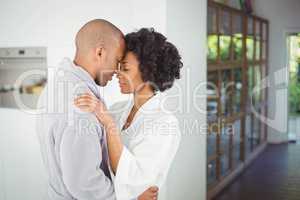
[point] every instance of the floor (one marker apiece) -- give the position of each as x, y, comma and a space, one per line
274, 175
294, 126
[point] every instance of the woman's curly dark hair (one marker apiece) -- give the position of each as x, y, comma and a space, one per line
159, 59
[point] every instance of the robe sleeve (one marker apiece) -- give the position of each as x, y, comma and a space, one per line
148, 163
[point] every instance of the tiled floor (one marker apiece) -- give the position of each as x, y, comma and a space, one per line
274, 175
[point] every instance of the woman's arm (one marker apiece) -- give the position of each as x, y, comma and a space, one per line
90, 103
114, 142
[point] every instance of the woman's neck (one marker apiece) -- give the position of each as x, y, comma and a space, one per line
142, 96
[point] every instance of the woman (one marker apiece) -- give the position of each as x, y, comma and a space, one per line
142, 136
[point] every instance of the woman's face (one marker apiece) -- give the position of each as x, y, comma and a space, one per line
129, 75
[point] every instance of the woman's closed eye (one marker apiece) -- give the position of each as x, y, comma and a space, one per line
124, 68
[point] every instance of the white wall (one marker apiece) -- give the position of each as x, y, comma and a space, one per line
283, 16
22, 174
186, 28
54, 24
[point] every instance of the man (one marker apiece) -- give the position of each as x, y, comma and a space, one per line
73, 143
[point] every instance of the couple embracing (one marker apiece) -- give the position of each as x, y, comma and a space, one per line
92, 152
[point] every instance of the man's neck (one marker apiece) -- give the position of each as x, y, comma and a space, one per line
81, 63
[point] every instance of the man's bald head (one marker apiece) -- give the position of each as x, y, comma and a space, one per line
96, 33
100, 47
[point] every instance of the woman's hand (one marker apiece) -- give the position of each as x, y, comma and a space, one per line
150, 194
89, 103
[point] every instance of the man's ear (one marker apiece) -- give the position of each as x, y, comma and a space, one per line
99, 52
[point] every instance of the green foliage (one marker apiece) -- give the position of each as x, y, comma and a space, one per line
250, 48
294, 93
237, 46
225, 46
225, 42
212, 42
294, 85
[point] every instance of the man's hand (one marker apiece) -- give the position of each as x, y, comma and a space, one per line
150, 194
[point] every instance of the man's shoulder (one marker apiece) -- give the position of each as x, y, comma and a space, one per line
57, 99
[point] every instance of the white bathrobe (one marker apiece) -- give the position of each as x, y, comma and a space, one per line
150, 145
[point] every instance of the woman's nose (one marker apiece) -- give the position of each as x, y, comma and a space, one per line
118, 72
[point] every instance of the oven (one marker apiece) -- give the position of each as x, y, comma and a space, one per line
23, 74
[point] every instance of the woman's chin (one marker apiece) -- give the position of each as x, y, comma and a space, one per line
124, 91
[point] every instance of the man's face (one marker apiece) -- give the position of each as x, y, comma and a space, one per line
109, 62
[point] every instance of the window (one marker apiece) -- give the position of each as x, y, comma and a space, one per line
237, 63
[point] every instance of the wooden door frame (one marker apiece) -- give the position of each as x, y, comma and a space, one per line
288, 33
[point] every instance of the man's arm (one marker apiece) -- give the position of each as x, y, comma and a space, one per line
81, 156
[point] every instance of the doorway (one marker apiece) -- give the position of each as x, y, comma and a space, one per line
293, 56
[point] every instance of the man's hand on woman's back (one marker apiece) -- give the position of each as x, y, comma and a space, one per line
150, 194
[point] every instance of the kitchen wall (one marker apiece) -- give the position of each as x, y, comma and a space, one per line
186, 27
284, 17
54, 24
